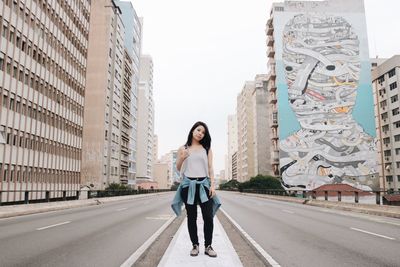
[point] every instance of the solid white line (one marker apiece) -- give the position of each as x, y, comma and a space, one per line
288, 211
252, 241
122, 209
136, 255
363, 231
54, 225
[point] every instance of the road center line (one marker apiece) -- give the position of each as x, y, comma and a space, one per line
363, 231
288, 211
53, 225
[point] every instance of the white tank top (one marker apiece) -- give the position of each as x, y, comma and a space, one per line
196, 164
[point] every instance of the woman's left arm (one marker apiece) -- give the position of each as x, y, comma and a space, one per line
211, 172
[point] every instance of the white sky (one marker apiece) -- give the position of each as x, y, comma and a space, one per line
204, 51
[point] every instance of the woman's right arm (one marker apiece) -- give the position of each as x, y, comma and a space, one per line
182, 155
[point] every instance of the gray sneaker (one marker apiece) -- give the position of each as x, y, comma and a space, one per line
195, 250
210, 251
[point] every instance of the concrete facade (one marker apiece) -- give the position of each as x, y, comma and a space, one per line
232, 144
245, 114
145, 118
385, 83
272, 98
161, 174
262, 142
102, 131
132, 41
43, 69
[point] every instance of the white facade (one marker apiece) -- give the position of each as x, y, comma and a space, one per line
232, 144
385, 83
145, 118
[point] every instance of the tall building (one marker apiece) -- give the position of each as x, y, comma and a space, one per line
126, 117
132, 41
245, 114
102, 133
385, 83
232, 144
145, 118
318, 56
173, 174
42, 93
262, 142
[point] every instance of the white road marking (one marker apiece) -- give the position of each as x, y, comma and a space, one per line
253, 242
136, 255
159, 217
54, 225
363, 231
121, 209
288, 211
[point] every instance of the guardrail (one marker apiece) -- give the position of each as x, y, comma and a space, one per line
326, 194
64, 195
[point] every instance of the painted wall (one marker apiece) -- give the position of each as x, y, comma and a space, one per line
325, 104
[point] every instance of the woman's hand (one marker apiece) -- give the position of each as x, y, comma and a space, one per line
212, 191
184, 153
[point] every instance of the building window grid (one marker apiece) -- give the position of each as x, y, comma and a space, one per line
15, 105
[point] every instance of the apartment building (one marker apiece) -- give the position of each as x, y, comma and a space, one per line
145, 118
232, 144
132, 41
385, 83
261, 122
43, 59
245, 122
318, 123
102, 134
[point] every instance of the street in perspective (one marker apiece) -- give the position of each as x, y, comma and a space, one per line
180, 133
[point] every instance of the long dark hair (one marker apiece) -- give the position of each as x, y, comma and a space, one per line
205, 142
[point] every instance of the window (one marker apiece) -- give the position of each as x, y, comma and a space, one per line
398, 178
396, 124
387, 153
383, 103
389, 178
386, 140
393, 86
392, 72
381, 79
385, 128
384, 116
397, 150
397, 138
395, 111
398, 164
394, 98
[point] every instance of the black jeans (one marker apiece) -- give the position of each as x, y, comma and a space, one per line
206, 211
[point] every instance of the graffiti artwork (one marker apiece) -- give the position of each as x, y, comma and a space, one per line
321, 65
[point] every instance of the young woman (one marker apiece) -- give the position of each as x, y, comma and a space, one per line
197, 187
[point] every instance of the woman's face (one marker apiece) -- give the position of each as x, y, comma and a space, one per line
198, 133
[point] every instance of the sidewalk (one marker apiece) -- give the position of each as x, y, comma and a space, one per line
177, 253
25, 209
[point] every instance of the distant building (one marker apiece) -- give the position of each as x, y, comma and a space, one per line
145, 139
385, 83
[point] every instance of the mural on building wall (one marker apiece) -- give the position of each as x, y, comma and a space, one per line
319, 71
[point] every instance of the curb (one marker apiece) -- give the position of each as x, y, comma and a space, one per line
27, 209
388, 211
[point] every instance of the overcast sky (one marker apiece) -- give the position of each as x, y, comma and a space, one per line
204, 51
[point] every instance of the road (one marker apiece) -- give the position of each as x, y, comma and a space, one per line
104, 235
299, 235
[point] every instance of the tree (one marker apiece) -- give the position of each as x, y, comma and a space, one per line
261, 182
